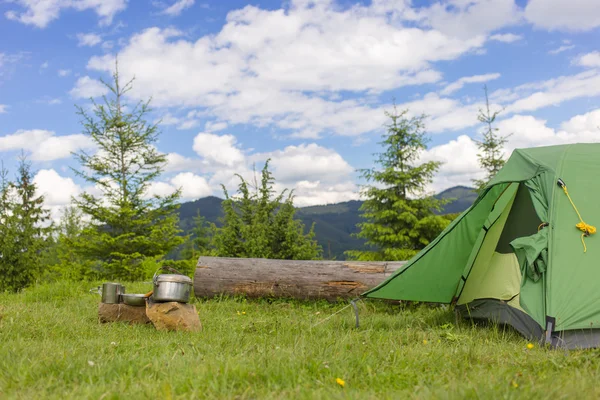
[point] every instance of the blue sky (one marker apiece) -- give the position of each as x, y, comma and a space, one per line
302, 82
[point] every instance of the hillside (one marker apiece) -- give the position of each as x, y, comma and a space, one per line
463, 198
334, 223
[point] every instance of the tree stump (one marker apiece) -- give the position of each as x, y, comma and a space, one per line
173, 316
122, 313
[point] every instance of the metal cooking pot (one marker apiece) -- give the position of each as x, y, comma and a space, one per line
171, 287
111, 292
137, 300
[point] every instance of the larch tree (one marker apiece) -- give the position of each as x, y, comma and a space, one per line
398, 213
491, 148
129, 230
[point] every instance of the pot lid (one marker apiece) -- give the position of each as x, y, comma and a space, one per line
173, 278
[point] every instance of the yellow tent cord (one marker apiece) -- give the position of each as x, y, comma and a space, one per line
582, 226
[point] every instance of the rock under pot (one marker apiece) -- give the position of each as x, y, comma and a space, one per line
172, 287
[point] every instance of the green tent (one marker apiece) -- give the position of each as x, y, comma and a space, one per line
516, 255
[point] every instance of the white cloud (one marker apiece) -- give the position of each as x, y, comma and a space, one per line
570, 15
192, 186
64, 72
589, 122
41, 12
317, 175
50, 101
444, 113
107, 45
56, 189
284, 67
177, 162
44, 145
219, 150
460, 165
591, 60
307, 193
307, 163
561, 49
533, 96
3, 108
178, 7
9, 61
159, 188
168, 119
215, 126
88, 39
87, 87
457, 85
467, 18
528, 131
44, 65
506, 37
460, 155
188, 124
288, 68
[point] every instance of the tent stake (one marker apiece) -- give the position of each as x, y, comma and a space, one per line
353, 302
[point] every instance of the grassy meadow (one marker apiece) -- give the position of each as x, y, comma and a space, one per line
54, 347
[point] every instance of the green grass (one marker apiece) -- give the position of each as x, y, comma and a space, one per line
53, 347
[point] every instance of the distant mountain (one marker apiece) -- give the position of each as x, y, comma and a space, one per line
463, 198
334, 223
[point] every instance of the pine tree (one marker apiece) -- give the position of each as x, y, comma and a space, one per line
491, 148
260, 224
12, 274
24, 229
128, 229
399, 214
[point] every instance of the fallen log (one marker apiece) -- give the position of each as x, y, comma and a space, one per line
309, 279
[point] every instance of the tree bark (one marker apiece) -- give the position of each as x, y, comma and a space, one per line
254, 277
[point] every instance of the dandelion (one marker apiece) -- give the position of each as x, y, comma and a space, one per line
530, 346
340, 382
425, 341
239, 313
243, 312
514, 384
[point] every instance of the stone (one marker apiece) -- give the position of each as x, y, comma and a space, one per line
173, 316
122, 313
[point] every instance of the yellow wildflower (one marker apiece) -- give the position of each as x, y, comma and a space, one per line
425, 341
340, 382
530, 346
514, 384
